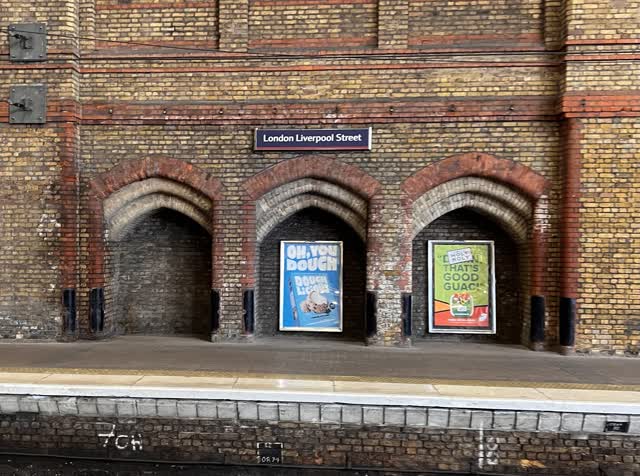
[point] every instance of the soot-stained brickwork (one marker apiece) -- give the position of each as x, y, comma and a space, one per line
468, 225
159, 276
472, 24
312, 224
394, 446
540, 97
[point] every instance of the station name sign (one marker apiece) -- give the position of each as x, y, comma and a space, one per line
313, 139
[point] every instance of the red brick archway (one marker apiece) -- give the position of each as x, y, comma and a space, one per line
516, 176
475, 164
130, 172
321, 169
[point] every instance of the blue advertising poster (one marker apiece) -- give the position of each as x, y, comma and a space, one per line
311, 286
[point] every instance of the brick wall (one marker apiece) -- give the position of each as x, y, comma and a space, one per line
609, 237
391, 438
30, 225
315, 24
591, 21
159, 277
328, 82
189, 23
474, 24
225, 152
61, 17
345, 63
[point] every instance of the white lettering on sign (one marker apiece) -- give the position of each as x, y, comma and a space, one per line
306, 284
280, 138
459, 256
312, 258
316, 139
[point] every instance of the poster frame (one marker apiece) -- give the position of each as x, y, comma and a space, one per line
433, 329
281, 326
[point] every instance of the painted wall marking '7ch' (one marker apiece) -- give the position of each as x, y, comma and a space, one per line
122, 441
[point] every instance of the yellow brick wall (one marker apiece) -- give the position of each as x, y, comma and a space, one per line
155, 21
61, 17
313, 23
589, 20
474, 21
609, 304
323, 84
399, 151
29, 232
602, 76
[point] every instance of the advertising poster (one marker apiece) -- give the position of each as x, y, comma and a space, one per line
461, 287
311, 286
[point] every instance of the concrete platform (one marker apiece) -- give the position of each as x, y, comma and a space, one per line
426, 362
433, 374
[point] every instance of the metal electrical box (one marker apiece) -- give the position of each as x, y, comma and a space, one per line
28, 42
28, 104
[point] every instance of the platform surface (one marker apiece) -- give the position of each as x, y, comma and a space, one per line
425, 362
429, 374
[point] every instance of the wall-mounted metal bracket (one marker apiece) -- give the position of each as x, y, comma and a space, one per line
28, 104
28, 42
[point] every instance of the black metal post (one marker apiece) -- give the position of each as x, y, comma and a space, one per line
536, 335
69, 304
567, 322
215, 310
371, 312
248, 307
96, 309
406, 315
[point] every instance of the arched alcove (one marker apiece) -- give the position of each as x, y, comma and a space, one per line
159, 275
467, 224
311, 224
150, 236
311, 199
508, 201
477, 208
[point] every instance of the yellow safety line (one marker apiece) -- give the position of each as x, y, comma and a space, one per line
339, 378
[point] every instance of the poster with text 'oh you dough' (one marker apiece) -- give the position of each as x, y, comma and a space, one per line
311, 286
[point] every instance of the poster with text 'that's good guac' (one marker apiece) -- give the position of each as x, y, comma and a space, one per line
461, 287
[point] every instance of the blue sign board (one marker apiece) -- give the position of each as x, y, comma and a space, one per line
313, 139
311, 286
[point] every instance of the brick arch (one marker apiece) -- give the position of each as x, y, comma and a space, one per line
301, 202
278, 204
137, 176
320, 167
511, 193
476, 164
131, 171
344, 190
507, 206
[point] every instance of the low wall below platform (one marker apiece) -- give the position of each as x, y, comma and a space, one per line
400, 438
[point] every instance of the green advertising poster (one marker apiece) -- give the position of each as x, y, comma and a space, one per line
461, 287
